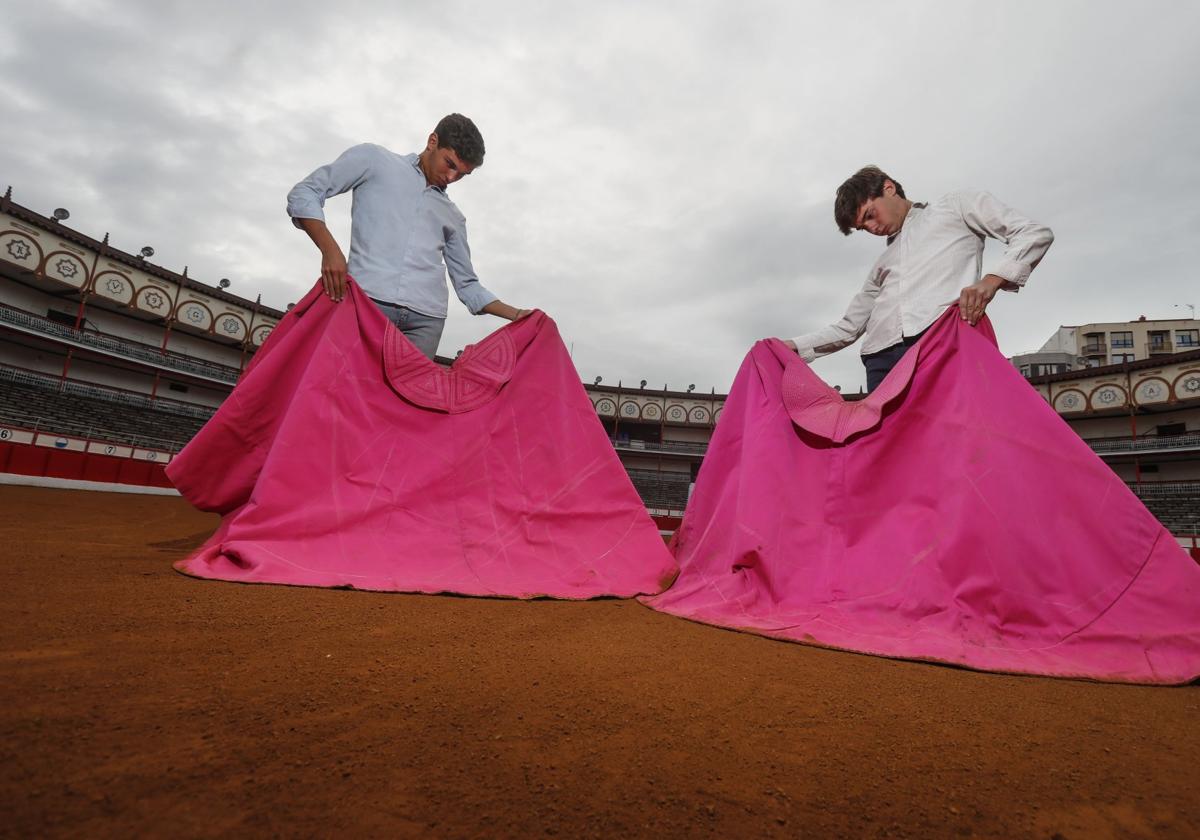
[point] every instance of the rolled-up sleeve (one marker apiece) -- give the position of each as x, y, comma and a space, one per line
1026, 241
466, 283
307, 199
845, 332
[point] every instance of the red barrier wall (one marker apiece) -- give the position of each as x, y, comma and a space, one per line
27, 459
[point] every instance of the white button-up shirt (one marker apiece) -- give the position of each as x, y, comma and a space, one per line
937, 253
404, 233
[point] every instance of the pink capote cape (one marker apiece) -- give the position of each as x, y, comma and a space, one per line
345, 458
950, 516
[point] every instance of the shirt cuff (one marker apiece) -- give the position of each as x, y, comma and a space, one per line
476, 299
808, 354
1013, 272
298, 213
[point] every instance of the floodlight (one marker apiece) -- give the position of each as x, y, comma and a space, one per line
61, 214
146, 252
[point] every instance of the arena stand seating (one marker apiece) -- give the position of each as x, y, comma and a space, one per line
42, 403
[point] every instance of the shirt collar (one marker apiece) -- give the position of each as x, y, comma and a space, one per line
416, 164
917, 205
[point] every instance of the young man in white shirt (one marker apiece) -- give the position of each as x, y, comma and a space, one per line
933, 260
405, 232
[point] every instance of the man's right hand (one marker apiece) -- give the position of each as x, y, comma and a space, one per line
333, 273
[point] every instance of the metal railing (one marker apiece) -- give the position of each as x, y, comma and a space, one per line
679, 446
119, 347
1157, 443
1095, 348
1155, 348
68, 428
49, 382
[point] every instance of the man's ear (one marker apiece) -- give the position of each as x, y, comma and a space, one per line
432, 143
889, 188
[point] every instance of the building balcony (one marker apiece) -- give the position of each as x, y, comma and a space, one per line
1095, 348
1158, 348
1146, 445
670, 447
112, 346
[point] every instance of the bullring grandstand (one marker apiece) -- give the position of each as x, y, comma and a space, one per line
109, 364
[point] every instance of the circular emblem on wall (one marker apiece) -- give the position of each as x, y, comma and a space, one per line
650, 412
66, 268
1070, 401
19, 249
1108, 396
675, 413
114, 286
60, 443
605, 406
699, 415
230, 326
629, 410
154, 300
1150, 391
194, 314
1192, 384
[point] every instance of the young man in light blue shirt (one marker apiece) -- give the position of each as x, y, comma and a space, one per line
405, 233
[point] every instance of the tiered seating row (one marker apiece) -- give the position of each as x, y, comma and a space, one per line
82, 410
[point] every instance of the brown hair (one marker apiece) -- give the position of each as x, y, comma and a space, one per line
456, 132
862, 186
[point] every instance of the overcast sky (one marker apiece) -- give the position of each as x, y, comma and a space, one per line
659, 176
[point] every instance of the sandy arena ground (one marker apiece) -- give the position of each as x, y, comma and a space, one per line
138, 702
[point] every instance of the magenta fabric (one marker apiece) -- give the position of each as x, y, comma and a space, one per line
950, 516
345, 458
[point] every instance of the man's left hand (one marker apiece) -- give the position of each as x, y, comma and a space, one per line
974, 298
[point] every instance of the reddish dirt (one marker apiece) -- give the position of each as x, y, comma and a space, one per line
137, 701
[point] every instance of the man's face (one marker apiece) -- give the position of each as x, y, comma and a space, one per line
883, 215
442, 166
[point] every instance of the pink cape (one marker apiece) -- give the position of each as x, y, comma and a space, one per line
950, 516
345, 458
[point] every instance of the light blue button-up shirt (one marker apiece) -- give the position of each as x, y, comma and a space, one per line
404, 234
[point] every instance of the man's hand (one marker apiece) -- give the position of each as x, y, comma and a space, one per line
791, 345
333, 272
974, 298
333, 261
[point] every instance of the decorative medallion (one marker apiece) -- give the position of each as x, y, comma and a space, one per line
230, 326
66, 268
1108, 396
699, 415
650, 412
194, 314
1192, 384
675, 413
114, 286
1071, 401
605, 406
629, 410
154, 300
19, 249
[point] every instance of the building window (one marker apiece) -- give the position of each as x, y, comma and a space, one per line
1187, 338
1121, 358
1093, 344
175, 386
1159, 341
1122, 339
1168, 429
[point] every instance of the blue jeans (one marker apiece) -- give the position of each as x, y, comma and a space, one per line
425, 331
880, 363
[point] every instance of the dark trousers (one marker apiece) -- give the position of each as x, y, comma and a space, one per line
880, 363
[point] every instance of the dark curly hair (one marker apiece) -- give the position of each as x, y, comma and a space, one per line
458, 133
862, 186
